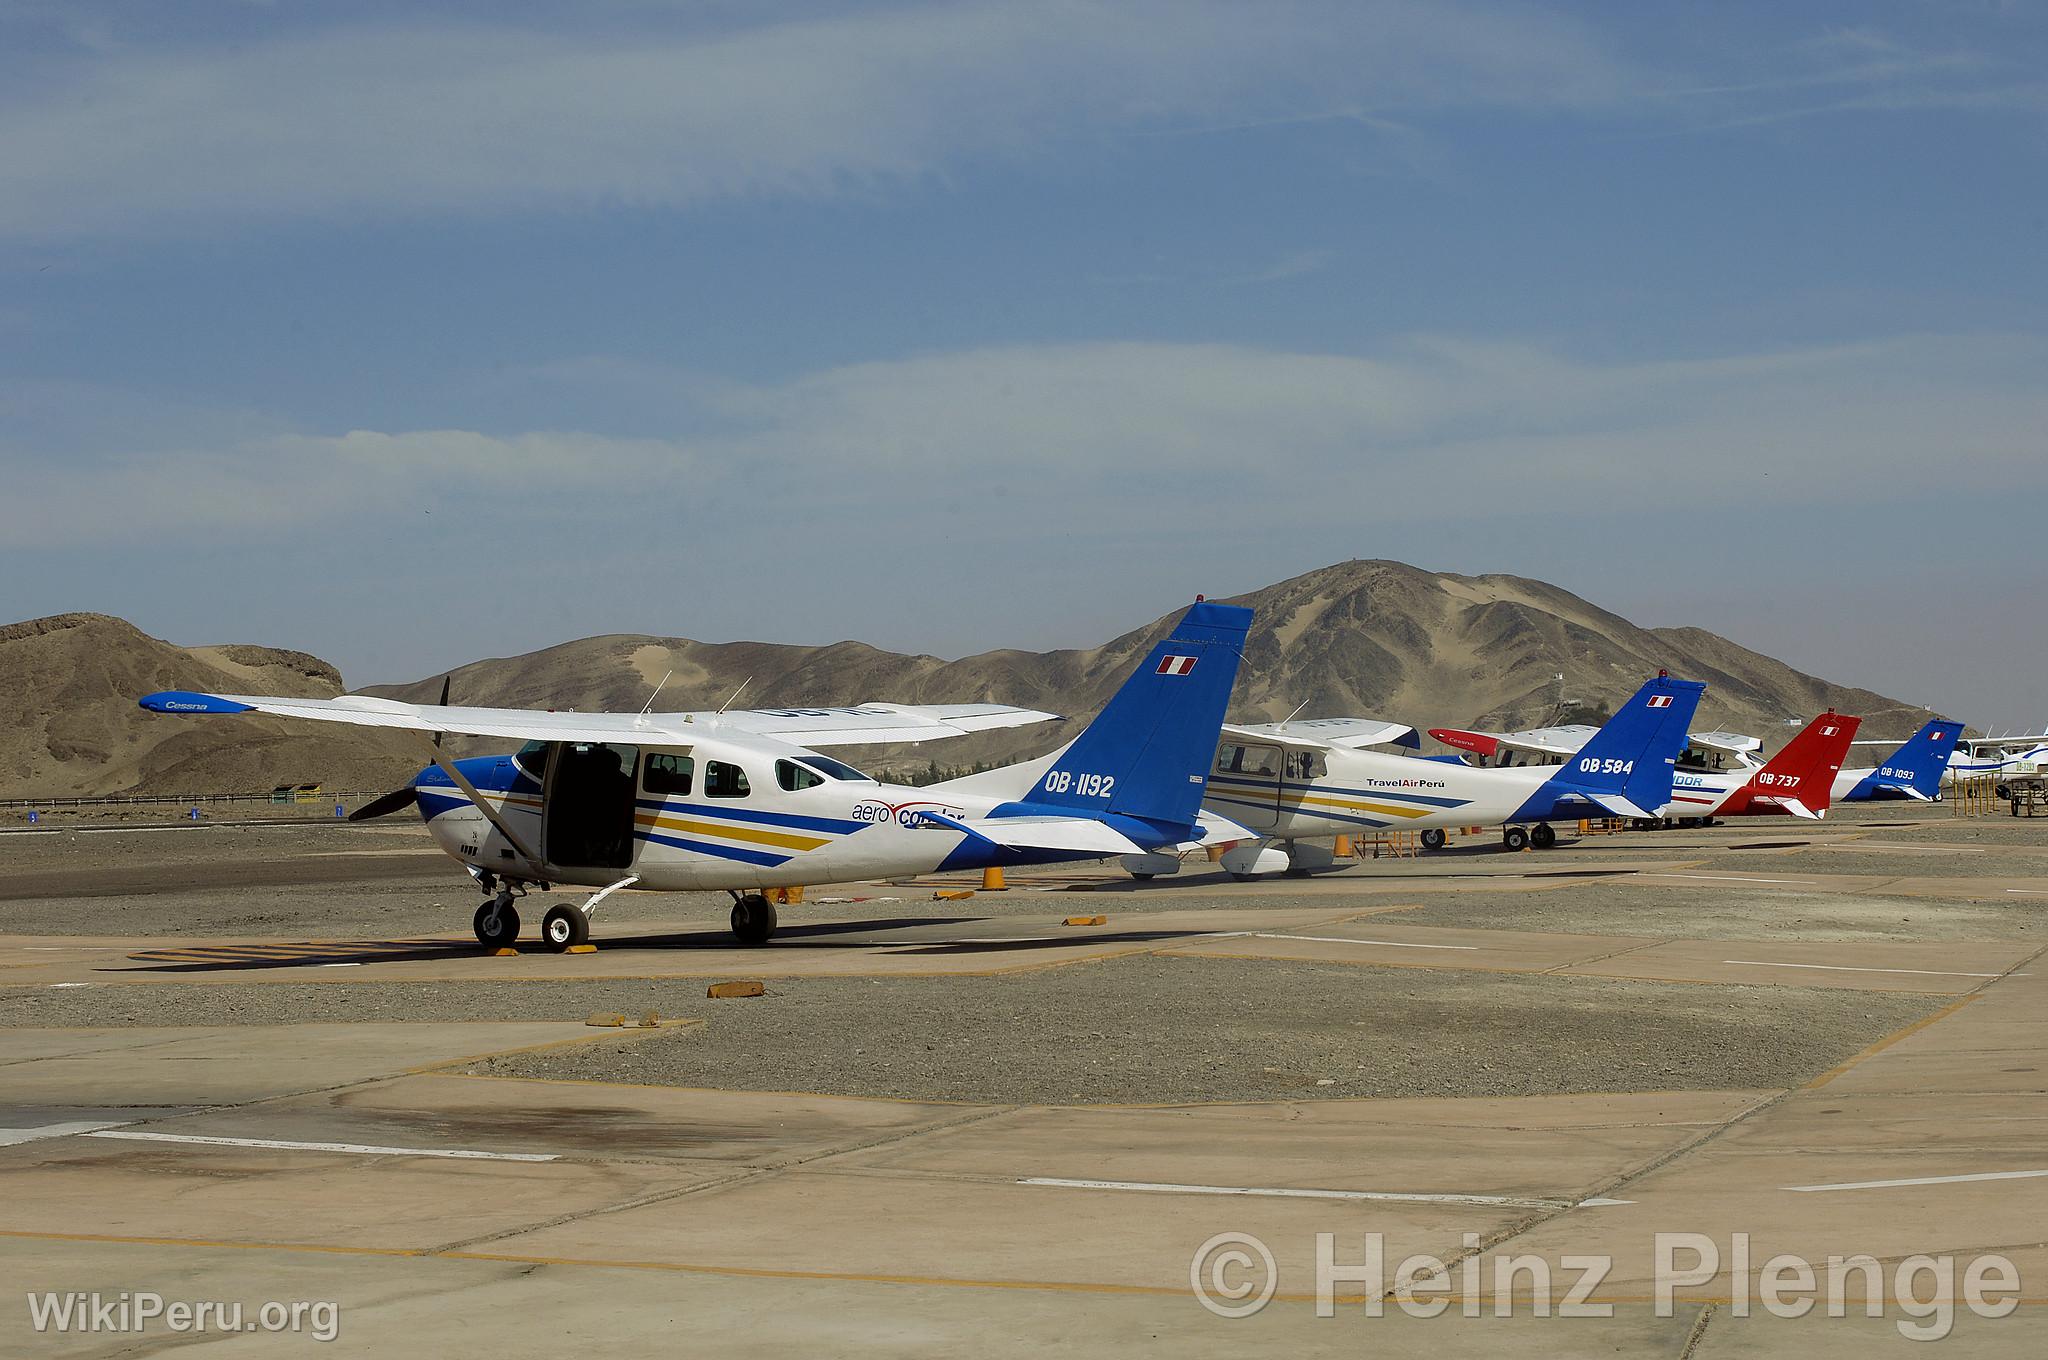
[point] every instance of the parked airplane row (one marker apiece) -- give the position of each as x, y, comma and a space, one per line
747, 800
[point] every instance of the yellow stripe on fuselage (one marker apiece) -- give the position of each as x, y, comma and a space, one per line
727, 831
1354, 805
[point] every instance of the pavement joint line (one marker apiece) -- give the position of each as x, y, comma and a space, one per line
1849, 968
1339, 939
1559, 971
1918, 1180
1178, 1291
290, 1145
1285, 1192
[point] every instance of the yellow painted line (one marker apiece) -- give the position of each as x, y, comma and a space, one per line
1882, 1044
780, 839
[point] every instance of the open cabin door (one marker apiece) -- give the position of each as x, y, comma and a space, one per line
1246, 784
587, 805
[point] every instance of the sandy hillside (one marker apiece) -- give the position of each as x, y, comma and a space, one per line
1368, 638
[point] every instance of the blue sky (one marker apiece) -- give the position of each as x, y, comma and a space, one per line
409, 333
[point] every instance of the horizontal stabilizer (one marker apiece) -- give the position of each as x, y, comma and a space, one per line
1075, 835
1798, 809
1619, 806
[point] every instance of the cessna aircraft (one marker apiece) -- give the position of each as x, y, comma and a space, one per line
1798, 781
1980, 756
1914, 770
1288, 783
742, 801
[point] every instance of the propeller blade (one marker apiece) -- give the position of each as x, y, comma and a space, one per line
444, 703
398, 800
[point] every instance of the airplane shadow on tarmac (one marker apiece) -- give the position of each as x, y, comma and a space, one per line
820, 935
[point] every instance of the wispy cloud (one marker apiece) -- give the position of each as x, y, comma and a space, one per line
1078, 435
407, 119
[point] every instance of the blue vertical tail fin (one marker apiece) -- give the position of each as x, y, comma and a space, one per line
1627, 765
1147, 754
1916, 768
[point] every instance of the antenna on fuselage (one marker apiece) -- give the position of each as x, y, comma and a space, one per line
652, 697
736, 694
1295, 714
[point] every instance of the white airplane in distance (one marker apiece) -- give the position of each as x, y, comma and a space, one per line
1976, 757
741, 801
1914, 770
1286, 784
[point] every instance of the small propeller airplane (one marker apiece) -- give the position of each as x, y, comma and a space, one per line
744, 800
1284, 785
1798, 781
1980, 756
1914, 770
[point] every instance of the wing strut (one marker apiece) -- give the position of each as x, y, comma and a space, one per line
495, 817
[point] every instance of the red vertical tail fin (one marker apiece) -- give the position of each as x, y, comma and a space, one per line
1800, 779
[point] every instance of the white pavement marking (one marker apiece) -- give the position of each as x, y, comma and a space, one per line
1920, 1180
2030, 892
1847, 968
362, 1148
1334, 939
9, 1137
1736, 878
56, 985
1277, 1192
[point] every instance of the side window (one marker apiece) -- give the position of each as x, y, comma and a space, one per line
792, 776
724, 781
1228, 758
1312, 765
1261, 760
665, 773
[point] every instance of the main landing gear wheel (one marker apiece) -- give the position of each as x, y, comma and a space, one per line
753, 919
564, 926
1544, 836
497, 924
1514, 837
1436, 838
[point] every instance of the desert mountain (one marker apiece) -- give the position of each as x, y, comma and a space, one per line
1365, 637
73, 730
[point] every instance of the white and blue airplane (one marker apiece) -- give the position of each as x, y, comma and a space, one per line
1914, 770
1976, 757
1289, 785
742, 801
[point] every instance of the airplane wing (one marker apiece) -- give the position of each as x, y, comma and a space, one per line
1344, 733
1550, 741
1737, 743
861, 724
1981, 744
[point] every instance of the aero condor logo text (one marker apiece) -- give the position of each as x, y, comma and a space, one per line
1174, 665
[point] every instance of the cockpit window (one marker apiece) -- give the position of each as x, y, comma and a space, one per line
666, 773
836, 769
724, 781
792, 776
533, 758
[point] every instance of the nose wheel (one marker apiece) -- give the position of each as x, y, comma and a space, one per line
497, 923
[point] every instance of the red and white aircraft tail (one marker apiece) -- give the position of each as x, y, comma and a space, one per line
1799, 780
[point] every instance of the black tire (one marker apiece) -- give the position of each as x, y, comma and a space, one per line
562, 927
753, 919
1436, 838
1244, 878
1514, 838
496, 927
1543, 836
1144, 878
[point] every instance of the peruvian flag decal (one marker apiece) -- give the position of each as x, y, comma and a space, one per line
1659, 701
1175, 665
